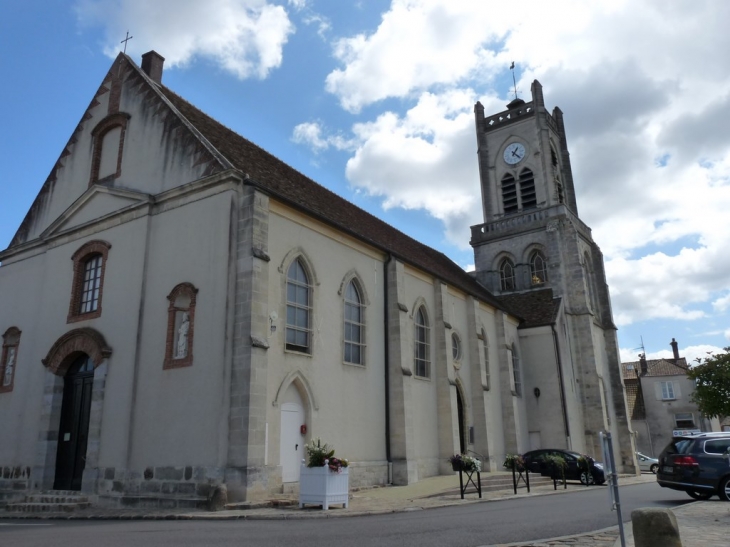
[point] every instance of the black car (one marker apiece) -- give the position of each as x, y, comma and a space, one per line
697, 464
535, 462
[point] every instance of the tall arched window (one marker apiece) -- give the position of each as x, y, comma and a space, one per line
106, 163
559, 190
590, 282
485, 347
422, 351
507, 275
538, 268
528, 197
298, 308
509, 194
9, 358
516, 372
89, 265
354, 325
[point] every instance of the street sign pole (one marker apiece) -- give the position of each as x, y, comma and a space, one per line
612, 476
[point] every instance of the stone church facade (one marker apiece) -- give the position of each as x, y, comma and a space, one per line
180, 309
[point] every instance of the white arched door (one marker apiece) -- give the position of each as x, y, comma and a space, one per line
291, 446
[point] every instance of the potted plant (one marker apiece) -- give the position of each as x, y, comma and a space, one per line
557, 465
324, 479
514, 462
462, 462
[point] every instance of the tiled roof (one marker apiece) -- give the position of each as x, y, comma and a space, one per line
287, 185
536, 308
656, 367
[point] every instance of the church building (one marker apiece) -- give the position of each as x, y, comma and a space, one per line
180, 309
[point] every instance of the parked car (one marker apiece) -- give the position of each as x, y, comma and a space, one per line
697, 464
647, 463
535, 463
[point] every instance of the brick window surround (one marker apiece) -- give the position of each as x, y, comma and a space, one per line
9, 359
87, 252
117, 120
179, 353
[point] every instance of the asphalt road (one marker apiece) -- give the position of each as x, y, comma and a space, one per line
488, 523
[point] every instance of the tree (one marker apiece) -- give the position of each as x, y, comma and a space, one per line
712, 378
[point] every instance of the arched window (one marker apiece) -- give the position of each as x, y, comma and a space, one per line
422, 351
180, 326
298, 308
485, 346
106, 163
9, 359
559, 190
516, 372
553, 157
590, 281
89, 265
507, 275
509, 194
528, 197
538, 268
354, 325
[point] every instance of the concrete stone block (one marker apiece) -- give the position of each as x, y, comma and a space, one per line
655, 527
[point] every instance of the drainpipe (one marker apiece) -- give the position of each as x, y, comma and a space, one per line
562, 387
387, 368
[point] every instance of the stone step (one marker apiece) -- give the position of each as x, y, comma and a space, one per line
48, 497
46, 507
148, 501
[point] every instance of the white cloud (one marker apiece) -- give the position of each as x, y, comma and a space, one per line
313, 135
423, 160
244, 37
722, 304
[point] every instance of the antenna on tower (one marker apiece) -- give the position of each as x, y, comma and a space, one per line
641, 347
514, 82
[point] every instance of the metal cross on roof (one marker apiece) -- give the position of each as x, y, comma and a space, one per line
127, 39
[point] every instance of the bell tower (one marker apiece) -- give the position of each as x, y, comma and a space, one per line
528, 202
534, 252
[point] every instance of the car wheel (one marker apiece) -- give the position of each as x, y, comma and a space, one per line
586, 478
654, 468
699, 495
725, 489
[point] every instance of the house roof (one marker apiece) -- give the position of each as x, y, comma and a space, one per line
536, 308
286, 184
655, 367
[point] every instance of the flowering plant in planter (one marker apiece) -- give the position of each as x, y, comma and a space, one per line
514, 462
321, 454
462, 462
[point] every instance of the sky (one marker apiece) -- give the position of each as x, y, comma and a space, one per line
374, 100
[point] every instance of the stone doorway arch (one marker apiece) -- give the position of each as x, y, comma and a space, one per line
63, 353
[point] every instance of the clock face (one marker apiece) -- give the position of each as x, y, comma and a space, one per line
514, 153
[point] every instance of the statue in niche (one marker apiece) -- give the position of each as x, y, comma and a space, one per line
181, 349
9, 366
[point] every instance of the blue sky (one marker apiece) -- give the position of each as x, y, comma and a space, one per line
374, 101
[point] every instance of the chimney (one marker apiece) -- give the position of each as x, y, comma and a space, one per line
675, 349
643, 365
152, 65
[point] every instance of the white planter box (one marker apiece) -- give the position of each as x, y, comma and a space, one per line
320, 486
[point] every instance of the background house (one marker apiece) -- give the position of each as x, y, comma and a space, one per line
658, 394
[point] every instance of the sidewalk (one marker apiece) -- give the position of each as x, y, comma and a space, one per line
701, 524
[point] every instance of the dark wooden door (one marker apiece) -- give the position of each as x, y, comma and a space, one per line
460, 417
74, 427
